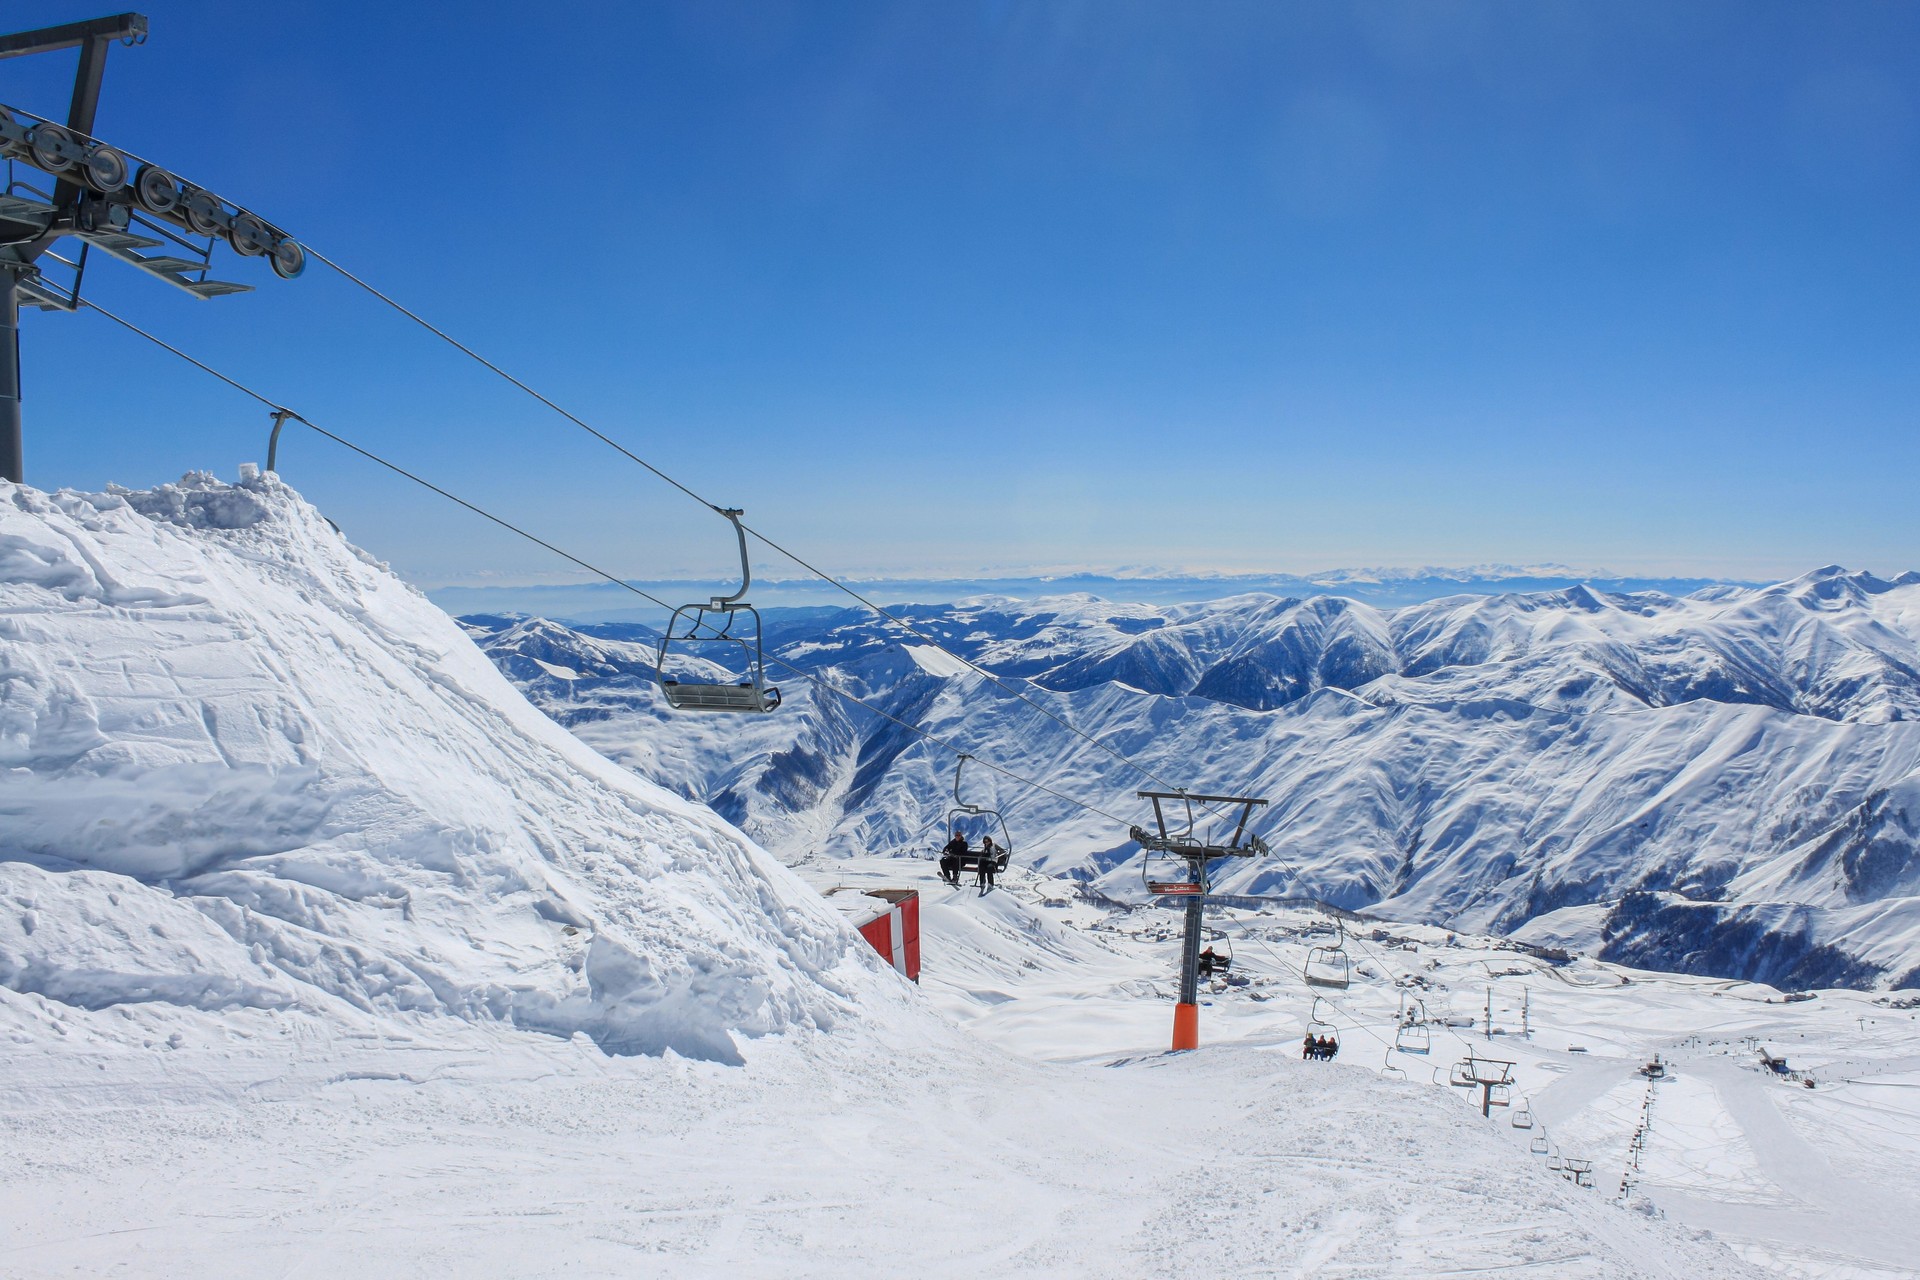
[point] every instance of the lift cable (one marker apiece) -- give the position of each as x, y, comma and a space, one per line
812, 677
811, 568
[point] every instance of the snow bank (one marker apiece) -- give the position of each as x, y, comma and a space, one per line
242, 765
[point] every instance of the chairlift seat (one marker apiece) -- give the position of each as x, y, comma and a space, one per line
1413, 1037
1328, 967
688, 696
683, 635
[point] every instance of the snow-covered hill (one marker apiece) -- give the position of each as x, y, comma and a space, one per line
1722, 783
322, 951
248, 769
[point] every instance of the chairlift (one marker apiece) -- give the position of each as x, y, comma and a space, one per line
1319, 1028
1170, 875
1328, 966
1460, 1075
1222, 963
1388, 1070
1556, 1164
1522, 1117
1411, 1035
1167, 872
964, 815
1540, 1146
1500, 1095
717, 618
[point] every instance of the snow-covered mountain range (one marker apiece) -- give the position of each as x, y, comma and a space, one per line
1726, 782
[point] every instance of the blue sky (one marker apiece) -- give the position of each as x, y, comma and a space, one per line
982, 288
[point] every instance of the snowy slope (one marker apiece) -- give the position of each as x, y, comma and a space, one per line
1732, 777
249, 769
323, 952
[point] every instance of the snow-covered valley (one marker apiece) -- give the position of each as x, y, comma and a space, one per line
323, 952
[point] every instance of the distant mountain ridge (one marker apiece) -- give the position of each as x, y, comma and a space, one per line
604, 602
1725, 781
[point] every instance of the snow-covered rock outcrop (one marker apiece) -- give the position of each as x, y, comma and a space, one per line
244, 767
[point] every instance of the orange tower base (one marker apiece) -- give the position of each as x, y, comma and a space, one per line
1186, 1026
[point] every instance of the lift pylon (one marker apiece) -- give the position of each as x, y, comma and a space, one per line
1169, 845
58, 180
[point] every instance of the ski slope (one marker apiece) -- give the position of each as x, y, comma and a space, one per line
1820, 1182
322, 952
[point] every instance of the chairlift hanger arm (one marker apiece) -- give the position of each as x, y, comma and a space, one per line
733, 514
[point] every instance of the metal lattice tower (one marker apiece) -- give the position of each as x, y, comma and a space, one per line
1197, 855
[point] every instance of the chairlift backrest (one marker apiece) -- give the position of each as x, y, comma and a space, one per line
716, 618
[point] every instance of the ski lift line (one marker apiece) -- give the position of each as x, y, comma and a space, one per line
471, 354
809, 676
810, 567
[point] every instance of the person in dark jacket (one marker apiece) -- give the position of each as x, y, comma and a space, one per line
1309, 1047
950, 859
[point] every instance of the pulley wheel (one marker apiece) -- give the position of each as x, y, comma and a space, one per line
51, 147
200, 210
105, 170
248, 235
289, 259
156, 190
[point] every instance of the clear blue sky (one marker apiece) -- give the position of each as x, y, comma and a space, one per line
963, 288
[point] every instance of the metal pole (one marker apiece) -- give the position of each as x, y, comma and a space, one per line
12, 464
279, 417
1186, 1013
1190, 954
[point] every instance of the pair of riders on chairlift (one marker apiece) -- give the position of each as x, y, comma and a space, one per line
957, 853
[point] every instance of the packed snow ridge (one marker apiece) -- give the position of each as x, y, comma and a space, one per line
247, 767
1724, 783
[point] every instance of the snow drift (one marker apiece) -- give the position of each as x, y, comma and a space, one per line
244, 766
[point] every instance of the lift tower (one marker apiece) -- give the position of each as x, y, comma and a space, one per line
61, 181
1184, 859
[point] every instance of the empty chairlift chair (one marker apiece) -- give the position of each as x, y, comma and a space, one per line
1170, 875
717, 618
1328, 966
1411, 1035
1522, 1117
